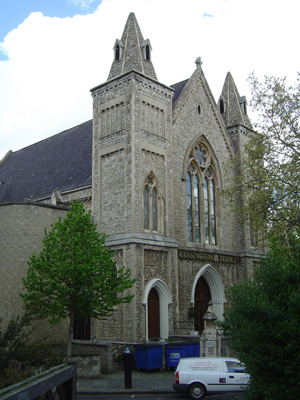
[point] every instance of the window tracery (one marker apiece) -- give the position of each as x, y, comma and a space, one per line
201, 196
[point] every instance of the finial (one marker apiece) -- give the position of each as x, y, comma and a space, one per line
198, 62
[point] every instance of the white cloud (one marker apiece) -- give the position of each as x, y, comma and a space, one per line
84, 4
54, 62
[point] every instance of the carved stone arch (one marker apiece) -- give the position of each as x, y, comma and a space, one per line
199, 139
152, 173
146, 48
164, 301
222, 103
118, 50
216, 288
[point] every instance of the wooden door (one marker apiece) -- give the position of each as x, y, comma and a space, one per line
202, 298
153, 315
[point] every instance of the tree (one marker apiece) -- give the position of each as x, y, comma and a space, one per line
267, 180
262, 323
20, 356
75, 274
13, 341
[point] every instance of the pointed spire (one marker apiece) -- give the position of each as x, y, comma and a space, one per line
232, 106
132, 51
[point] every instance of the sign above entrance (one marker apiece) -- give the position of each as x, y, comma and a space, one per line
199, 256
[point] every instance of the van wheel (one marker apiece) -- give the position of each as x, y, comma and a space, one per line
197, 391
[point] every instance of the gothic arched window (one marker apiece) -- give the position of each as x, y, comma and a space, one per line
201, 197
151, 204
193, 208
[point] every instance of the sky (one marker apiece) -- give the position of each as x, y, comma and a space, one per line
52, 52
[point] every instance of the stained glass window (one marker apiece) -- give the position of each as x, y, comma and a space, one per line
213, 213
201, 197
199, 154
197, 211
189, 207
206, 211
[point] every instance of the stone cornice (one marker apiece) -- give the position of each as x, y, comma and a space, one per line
141, 238
132, 73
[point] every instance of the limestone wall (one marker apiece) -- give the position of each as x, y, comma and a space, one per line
189, 126
21, 235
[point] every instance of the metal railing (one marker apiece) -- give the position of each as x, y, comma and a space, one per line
58, 383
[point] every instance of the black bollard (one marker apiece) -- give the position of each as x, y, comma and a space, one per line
128, 367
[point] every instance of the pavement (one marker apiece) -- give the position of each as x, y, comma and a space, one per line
143, 382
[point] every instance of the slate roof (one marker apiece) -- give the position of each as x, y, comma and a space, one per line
178, 89
61, 162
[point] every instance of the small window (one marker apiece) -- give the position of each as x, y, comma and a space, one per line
117, 53
147, 52
244, 107
222, 109
199, 109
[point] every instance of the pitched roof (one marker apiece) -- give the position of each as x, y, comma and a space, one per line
132, 51
178, 89
61, 162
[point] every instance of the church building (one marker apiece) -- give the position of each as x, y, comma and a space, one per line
150, 166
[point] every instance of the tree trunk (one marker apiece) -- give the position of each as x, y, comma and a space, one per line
70, 335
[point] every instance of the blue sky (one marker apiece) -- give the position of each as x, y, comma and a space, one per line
14, 12
55, 51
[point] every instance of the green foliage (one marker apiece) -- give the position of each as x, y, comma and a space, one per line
13, 341
20, 358
262, 323
75, 274
267, 178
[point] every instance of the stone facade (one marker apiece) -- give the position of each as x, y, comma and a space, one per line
21, 234
159, 157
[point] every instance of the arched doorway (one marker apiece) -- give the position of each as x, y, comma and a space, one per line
153, 315
202, 298
164, 300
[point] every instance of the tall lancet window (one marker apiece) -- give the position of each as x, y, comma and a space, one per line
193, 205
152, 205
146, 208
201, 197
189, 207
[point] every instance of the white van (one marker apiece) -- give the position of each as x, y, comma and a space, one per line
204, 376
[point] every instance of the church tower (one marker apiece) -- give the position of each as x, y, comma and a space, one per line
132, 183
234, 111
